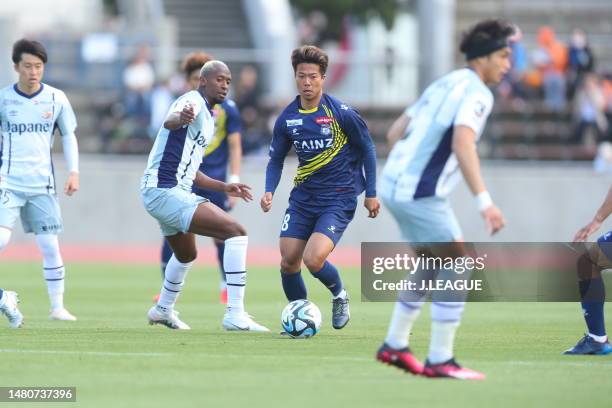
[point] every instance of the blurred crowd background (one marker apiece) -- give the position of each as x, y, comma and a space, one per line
118, 61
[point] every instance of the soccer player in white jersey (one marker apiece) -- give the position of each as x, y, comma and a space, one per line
30, 111
167, 195
432, 140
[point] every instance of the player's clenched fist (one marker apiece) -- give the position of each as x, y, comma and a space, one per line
266, 202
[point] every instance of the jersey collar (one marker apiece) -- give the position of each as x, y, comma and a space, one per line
210, 108
306, 111
25, 95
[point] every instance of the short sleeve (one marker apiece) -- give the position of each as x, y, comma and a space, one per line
186, 100
474, 111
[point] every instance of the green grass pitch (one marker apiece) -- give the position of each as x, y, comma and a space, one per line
115, 359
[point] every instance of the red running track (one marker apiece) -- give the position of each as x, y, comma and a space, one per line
150, 254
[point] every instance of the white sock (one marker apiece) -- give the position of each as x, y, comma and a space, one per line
234, 264
442, 341
599, 339
5, 236
445, 319
174, 280
342, 295
403, 317
53, 269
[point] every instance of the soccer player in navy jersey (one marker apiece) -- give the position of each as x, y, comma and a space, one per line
334, 148
591, 285
225, 148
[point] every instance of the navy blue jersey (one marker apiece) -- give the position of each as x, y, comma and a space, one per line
333, 146
227, 121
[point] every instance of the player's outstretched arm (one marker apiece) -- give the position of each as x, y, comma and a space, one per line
464, 147
176, 120
600, 216
239, 190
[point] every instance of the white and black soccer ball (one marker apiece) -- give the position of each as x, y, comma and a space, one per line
301, 319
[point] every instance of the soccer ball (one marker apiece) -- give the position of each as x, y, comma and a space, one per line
301, 319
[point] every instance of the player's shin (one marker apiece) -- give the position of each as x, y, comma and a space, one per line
446, 310
5, 236
329, 276
403, 318
174, 279
234, 264
53, 269
592, 295
293, 286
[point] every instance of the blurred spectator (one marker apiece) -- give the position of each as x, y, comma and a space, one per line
589, 109
161, 99
607, 94
512, 87
310, 28
581, 60
551, 60
247, 100
138, 80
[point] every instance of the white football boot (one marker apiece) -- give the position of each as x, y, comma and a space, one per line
62, 314
242, 322
10, 310
168, 318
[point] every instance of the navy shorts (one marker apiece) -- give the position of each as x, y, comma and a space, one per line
331, 219
605, 244
218, 198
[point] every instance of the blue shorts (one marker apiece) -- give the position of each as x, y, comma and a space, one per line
39, 213
218, 198
605, 244
331, 219
428, 219
173, 208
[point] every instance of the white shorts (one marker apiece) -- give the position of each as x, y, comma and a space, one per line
428, 219
39, 213
173, 208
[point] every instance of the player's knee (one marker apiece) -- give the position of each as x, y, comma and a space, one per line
289, 264
186, 256
314, 262
234, 229
587, 268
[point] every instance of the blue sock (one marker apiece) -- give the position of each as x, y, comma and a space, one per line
166, 254
1, 294
592, 294
220, 250
293, 285
329, 276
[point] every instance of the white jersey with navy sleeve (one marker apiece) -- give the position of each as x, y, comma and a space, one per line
177, 154
28, 123
422, 163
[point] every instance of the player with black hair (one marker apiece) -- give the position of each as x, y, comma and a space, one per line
30, 113
431, 140
337, 162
